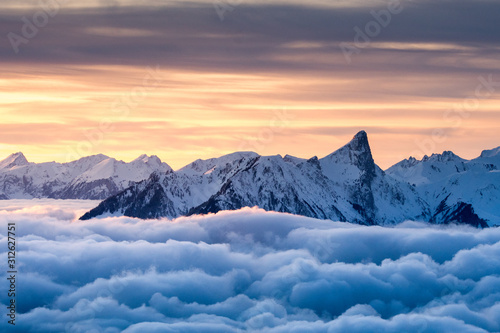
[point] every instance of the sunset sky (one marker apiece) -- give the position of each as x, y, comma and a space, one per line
198, 79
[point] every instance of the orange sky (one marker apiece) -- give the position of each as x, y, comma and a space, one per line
202, 115
299, 97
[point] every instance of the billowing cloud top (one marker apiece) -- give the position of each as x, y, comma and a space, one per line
248, 271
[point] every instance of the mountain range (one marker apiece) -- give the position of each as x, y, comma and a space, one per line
94, 177
455, 188
346, 185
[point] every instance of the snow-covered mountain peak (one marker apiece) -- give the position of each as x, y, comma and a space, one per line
202, 167
91, 177
449, 154
90, 160
412, 162
14, 160
489, 160
238, 156
346, 185
357, 148
453, 185
491, 153
141, 158
430, 169
18, 155
313, 159
408, 163
360, 140
95, 157
152, 160
293, 159
446, 156
352, 160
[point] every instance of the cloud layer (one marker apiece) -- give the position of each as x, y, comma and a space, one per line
252, 36
248, 271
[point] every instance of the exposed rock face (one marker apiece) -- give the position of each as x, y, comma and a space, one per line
459, 213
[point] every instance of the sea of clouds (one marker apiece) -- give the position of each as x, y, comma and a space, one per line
245, 271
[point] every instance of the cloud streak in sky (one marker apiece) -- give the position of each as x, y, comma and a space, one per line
250, 271
233, 74
254, 36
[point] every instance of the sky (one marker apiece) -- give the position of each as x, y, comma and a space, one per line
246, 271
198, 79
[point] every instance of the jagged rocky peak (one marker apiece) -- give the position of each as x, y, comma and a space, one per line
313, 159
204, 166
293, 159
153, 159
346, 185
238, 156
141, 158
91, 177
16, 159
408, 163
446, 156
94, 159
360, 142
357, 153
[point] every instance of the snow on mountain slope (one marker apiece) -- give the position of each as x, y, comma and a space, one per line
173, 194
91, 177
121, 172
446, 180
14, 160
495, 152
488, 160
278, 184
221, 164
32, 180
429, 170
377, 197
346, 185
